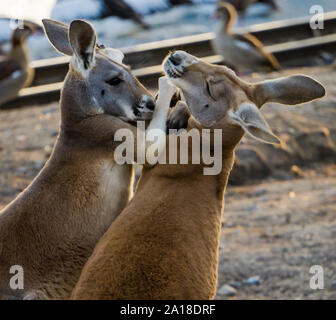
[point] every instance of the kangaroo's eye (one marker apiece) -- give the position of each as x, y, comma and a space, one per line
114, 81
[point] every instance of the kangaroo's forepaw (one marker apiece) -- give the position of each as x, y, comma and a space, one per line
179, 116
166, 88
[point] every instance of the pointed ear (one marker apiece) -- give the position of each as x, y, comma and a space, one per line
57, 33
83, 38
249, 117
291, 90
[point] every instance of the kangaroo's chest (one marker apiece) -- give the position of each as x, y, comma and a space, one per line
116, 184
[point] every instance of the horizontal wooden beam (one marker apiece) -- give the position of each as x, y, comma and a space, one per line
149, 54
293, 52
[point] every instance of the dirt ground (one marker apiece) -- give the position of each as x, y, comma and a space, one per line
280, 211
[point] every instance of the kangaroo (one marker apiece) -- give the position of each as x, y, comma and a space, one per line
164, 245
52, 227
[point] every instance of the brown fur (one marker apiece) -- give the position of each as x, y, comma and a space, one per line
164, 245
51, 228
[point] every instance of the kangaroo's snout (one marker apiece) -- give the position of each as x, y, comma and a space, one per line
143, 110
177, 63
148, 102
175, 59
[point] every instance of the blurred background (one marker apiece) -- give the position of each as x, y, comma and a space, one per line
166, 18
280, 211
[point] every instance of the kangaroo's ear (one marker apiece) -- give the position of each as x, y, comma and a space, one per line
249, 117
291, 90
83, 38
57, 33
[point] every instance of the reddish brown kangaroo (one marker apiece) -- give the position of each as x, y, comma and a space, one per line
52, 227
164, 245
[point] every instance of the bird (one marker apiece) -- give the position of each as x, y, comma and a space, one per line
180, 2
134, 10
240, 51
15, 72
123, 10
242, 5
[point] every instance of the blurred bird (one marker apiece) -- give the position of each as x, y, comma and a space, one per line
134, 10
242, 5
122, 10
67, 11
180, 2
15, 72
240, 51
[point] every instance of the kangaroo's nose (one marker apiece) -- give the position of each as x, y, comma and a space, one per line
150, 104
147, 102
175, 59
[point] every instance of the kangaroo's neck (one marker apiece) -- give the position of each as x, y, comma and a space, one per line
87, 174
83, 163
74, 95
207, 163
77, 183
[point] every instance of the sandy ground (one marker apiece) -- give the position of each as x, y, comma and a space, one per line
280, 212
276, 231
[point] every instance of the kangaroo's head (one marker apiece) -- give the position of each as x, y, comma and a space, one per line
98, 82
217, 98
